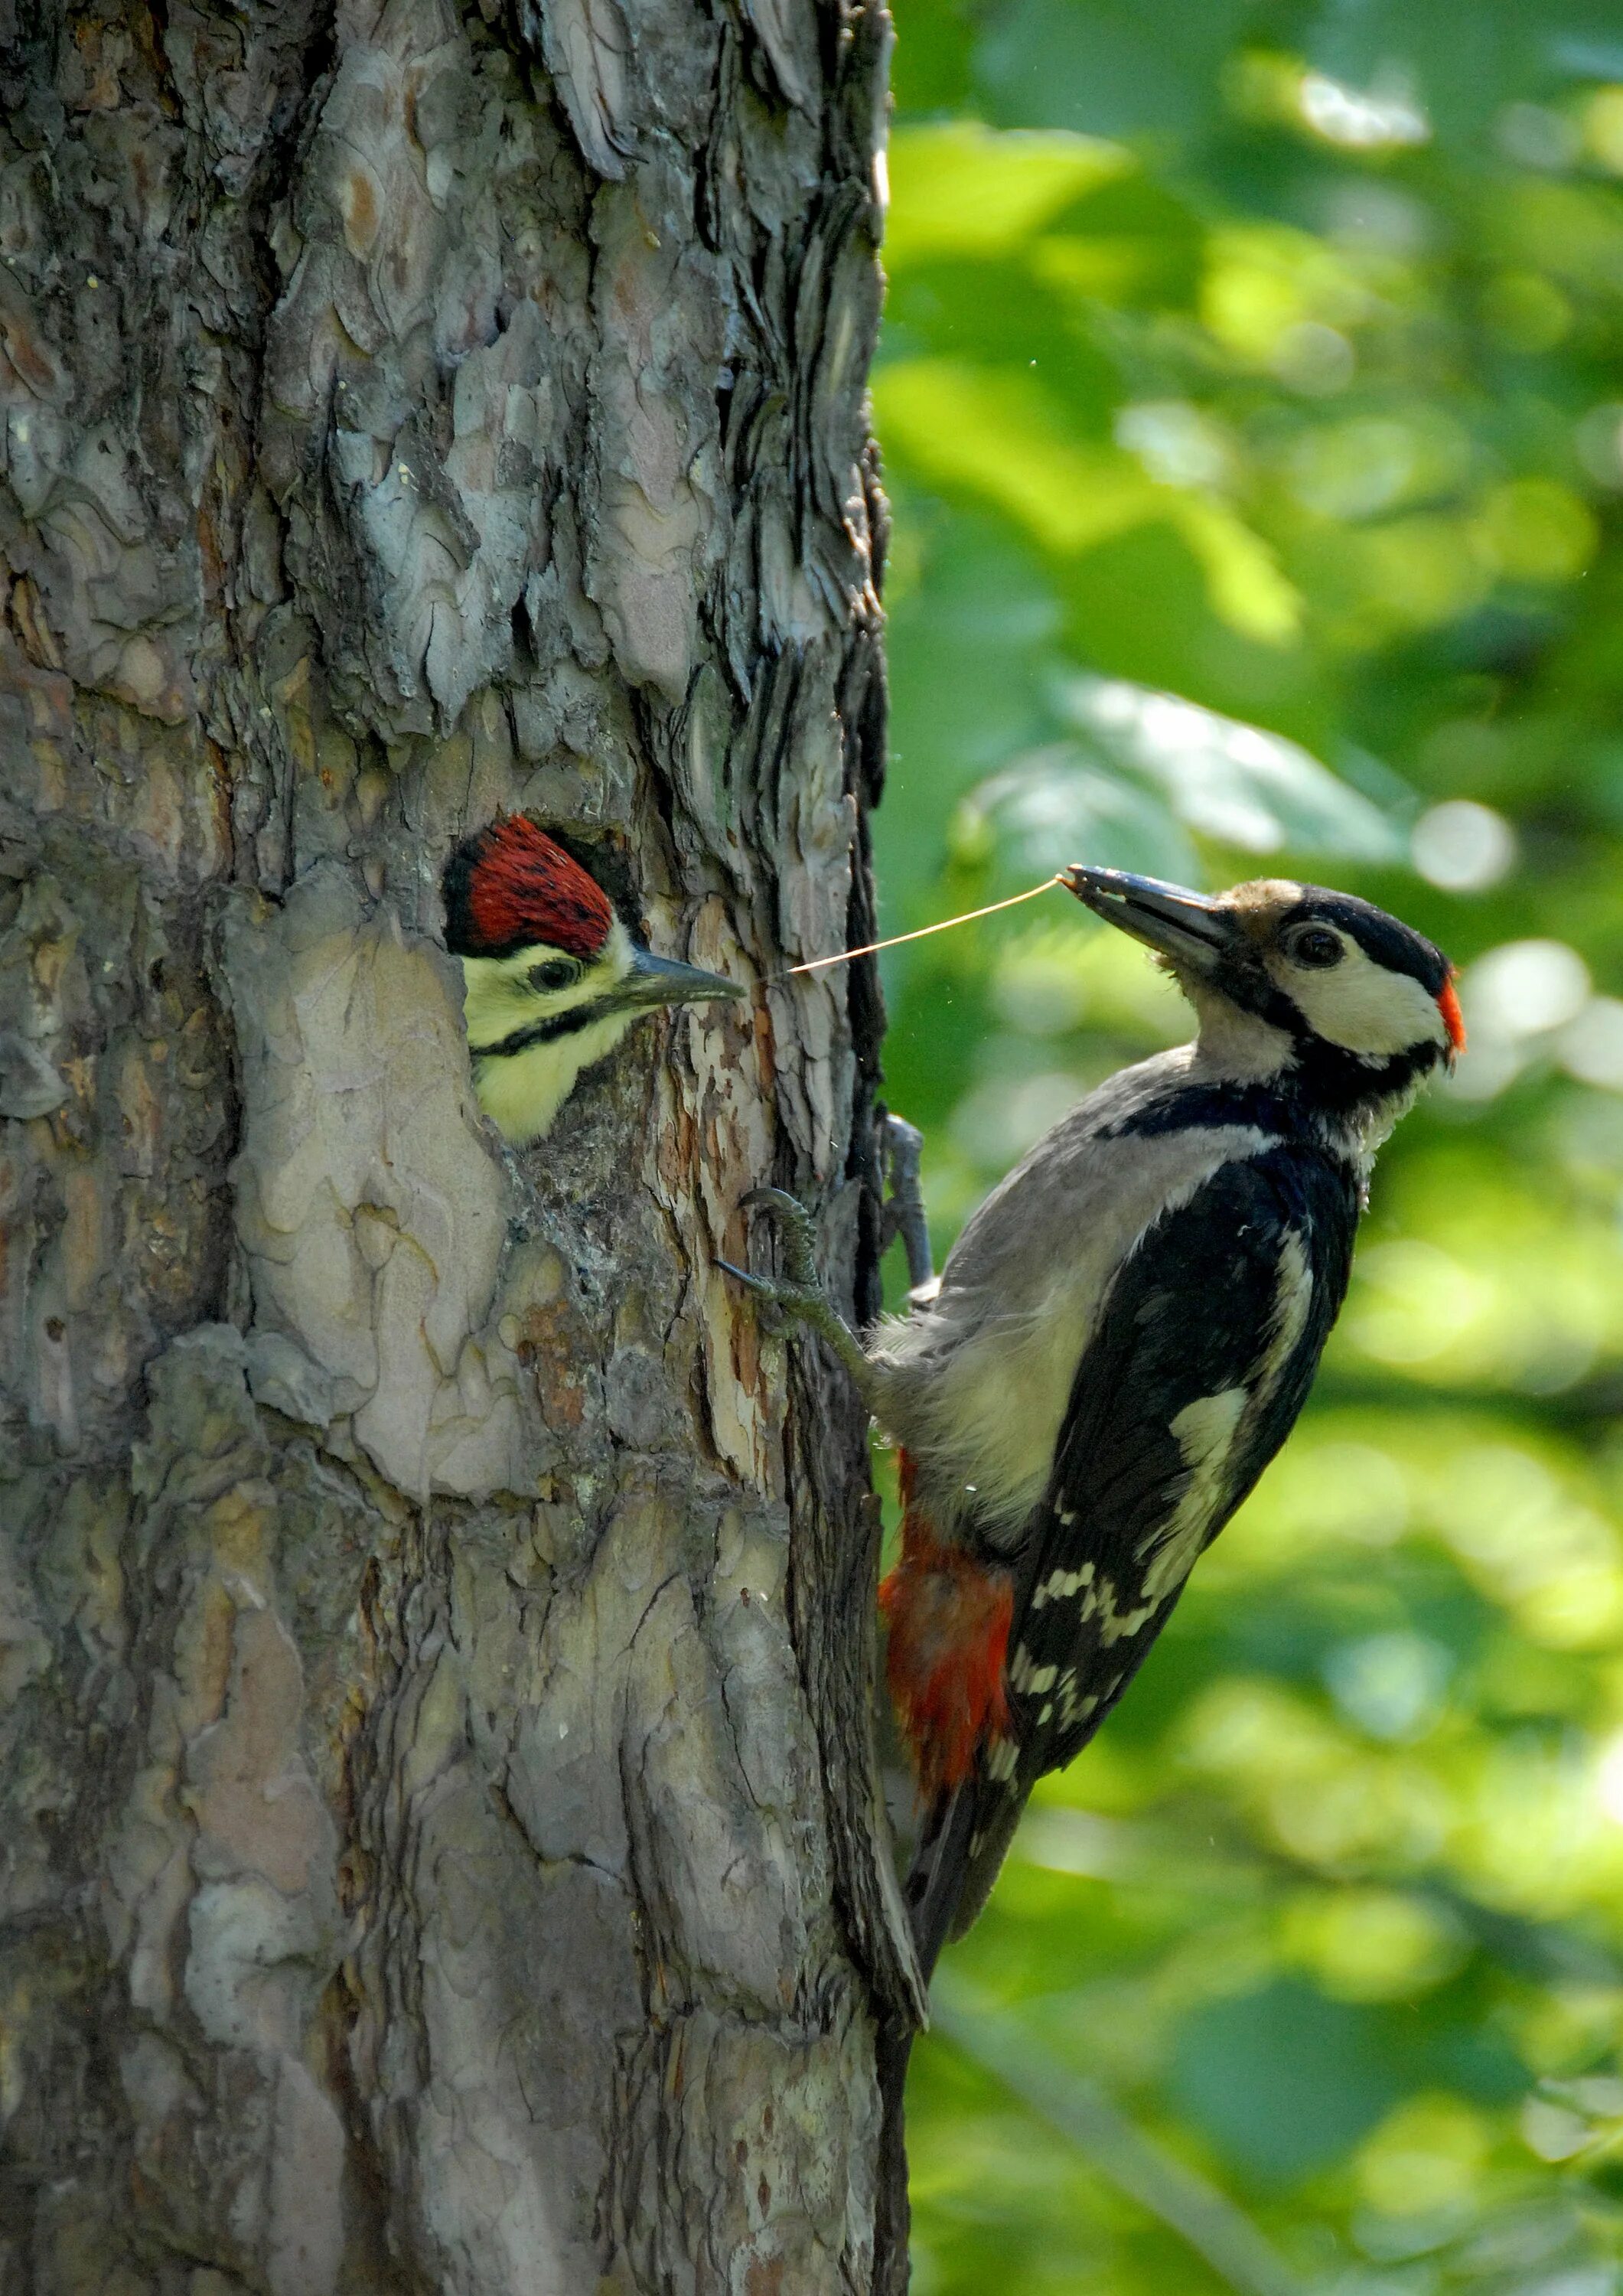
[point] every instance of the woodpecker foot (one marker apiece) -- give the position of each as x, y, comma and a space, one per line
904, 1213
800, 1293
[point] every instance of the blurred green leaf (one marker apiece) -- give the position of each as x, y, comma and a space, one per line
1234, 784
962, 190
1258, 471
1283, 2081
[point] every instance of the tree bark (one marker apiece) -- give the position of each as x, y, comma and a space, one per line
441, 1850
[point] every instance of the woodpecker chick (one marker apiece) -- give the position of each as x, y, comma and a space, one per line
553, 978
1122, 1339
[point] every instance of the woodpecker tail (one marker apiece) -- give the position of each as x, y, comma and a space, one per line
949, 1616
966, 1839
935, 1881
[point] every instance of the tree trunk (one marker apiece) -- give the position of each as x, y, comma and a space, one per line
435, 1619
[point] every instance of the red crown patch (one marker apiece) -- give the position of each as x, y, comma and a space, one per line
512, 886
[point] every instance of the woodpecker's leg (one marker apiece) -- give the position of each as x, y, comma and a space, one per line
904, 1212
800, 1293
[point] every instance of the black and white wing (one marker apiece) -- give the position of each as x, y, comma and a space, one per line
1202, 1358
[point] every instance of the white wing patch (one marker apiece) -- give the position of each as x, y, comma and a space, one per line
1292, 1302
1205, 1429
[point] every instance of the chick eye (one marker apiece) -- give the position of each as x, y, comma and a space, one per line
1316, 945
557, 972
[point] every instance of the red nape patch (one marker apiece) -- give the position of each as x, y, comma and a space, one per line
512, 886
950, 1623
1454, 1020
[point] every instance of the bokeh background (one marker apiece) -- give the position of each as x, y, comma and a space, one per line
1251, 400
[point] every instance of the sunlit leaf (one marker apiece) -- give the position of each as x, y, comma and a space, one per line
997, 434
962, 189
1063, 803
1234, 783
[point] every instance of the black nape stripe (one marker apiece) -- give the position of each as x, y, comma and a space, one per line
1320, 1081
544, 1032
1264, 1106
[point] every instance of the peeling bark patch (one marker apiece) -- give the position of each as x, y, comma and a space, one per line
414, 420
588, 47
371, 1215
659, 525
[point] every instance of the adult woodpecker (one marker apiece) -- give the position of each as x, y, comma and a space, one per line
553, 978
1122, 1339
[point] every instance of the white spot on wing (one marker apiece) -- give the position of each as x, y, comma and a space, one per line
1026, 1677
1117, 1624
1059, 1586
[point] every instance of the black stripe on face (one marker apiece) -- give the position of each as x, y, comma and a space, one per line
548, 1032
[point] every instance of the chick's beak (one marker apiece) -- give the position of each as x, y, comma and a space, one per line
1184, 926
659, 980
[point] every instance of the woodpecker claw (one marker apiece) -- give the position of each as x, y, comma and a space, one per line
903, 1215
755, 1283
799, 1294
799, 1231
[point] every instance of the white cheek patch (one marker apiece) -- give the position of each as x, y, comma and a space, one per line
1360, 1005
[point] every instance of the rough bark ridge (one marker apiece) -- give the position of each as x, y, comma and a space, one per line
440, 1849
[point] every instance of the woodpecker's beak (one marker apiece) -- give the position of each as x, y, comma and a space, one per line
1184, 926
657, 980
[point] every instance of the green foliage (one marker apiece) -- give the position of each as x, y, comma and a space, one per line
1252, 407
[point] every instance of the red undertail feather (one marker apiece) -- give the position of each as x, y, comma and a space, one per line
949, 1622
521, 887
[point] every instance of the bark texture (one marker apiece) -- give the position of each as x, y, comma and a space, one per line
440, 1845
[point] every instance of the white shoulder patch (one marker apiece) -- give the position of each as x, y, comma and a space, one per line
1207, 1427
1207, 1431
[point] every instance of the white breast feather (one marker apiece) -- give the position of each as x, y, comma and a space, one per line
982, 1415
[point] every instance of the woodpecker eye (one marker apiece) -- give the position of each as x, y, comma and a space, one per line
1315, 946
557, 972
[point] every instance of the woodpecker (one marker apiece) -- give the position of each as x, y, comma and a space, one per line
1122, 1338
553, 977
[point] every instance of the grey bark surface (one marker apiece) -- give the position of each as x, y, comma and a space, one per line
440, 1841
